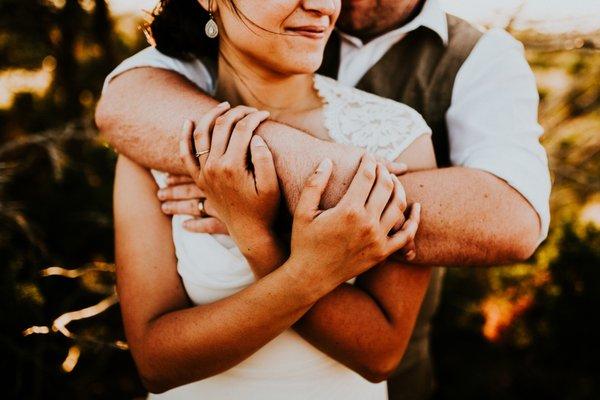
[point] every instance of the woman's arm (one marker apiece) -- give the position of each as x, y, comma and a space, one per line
374, 325
174, 344
374, 318
367, 326
171, 342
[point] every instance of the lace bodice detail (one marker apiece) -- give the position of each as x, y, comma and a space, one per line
354, 117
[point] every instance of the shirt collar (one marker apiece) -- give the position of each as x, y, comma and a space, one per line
432, 16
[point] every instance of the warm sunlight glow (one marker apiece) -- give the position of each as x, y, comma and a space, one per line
71, 361
15, 81
590, 214
500, 311
544, 15
548, 16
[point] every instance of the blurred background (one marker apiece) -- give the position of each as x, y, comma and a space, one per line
518, 331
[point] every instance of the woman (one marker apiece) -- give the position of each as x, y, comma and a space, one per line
236, 341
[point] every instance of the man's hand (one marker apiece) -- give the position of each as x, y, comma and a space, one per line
182, 196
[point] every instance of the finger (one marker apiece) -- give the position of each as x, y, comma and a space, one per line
242, 134
401, 193
209, 210
408, 231
205, 225
381, 192
185, 191
264, 167
362, 183
173, 180
310, 197
223, 127
396, 168
393, 215
410, 251
204, 128
186, 153
181, 207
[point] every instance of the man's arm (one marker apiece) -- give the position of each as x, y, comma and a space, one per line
469, 217
145, 128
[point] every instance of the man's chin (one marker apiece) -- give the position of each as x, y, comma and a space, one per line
354, 27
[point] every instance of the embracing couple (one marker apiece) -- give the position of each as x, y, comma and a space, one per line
315, 161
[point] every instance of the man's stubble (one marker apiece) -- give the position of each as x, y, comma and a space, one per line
367, 19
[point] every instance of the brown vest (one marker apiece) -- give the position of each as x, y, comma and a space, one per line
418, 71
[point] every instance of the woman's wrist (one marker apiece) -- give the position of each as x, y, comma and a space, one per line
248, 233
263, 250
307, 274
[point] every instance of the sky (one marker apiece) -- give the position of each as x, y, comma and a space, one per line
548, 15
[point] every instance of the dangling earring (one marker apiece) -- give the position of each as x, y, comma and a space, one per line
211, 29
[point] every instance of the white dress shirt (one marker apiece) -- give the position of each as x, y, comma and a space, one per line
492, 121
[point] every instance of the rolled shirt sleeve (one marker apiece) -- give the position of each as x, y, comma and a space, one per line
195, 71
493, 120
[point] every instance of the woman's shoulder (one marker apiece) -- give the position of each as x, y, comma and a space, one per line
383, 126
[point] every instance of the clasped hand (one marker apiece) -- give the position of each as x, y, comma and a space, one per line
235, 173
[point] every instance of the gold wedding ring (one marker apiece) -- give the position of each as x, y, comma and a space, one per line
201, 153
202, 208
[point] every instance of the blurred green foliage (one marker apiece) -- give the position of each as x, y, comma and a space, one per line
522, 331
528, 330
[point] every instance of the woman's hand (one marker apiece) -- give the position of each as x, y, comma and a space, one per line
358, 233
245, 200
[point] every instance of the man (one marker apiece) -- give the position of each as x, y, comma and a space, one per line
487, 204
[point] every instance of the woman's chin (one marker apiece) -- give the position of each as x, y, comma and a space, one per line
304, 65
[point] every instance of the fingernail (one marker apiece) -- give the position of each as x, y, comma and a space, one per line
411, 255
401, 166
160, 194
187, 124
257, 141
223, 104
324, 165
417, 207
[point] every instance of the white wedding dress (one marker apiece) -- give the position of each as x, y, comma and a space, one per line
212, 268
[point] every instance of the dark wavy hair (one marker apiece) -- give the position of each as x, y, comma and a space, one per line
176, 28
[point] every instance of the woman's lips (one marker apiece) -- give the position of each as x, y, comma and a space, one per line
311, 32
